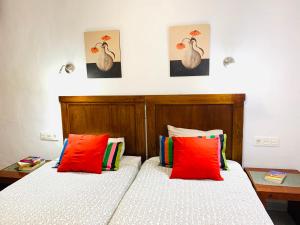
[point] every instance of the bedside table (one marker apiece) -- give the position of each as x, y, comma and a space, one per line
275, 191
10, 175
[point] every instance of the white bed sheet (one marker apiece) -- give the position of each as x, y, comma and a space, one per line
155, 199
48, 197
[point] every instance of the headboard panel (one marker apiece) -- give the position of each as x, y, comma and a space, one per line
121, 116
204, 112
124, 116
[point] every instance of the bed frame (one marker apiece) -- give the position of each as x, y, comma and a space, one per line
120, 116
126, 116
204, 112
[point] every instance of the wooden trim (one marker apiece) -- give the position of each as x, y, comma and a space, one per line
101, 99
197, 99
11, 175
152, 137
140, 131
237, 139
248, 169
65, 119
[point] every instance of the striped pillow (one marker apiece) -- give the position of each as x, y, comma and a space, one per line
223, 139
166, 151
62, 153
222, 154
119, 139
112, 155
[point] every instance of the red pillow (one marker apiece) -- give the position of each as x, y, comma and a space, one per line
196, 158
84, 153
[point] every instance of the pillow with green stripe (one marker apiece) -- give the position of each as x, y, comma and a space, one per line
222, 138
166, 150
112, 155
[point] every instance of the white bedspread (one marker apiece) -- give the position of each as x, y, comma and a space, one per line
47, 197
155, 199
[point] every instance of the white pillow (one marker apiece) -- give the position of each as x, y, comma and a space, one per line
115, 140
183, 132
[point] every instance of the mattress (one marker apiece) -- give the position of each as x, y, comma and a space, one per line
48, 197
155, 199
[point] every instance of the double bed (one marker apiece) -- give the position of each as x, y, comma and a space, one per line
148, 196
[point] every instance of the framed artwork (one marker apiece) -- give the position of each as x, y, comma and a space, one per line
189, 50
103, 55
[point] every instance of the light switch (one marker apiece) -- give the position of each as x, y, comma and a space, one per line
266, 141
48, 136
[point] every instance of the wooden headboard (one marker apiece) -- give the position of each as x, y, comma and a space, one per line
121, 116
124, 116
204, 112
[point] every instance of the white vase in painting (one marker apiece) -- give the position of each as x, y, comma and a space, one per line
105, 61
191, 58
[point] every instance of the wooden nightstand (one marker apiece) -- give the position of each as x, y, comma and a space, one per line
10, 175
264, 192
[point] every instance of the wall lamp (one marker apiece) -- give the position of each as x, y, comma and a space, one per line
228, 60
69, 68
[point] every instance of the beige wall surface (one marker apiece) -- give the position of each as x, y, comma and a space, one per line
38, 37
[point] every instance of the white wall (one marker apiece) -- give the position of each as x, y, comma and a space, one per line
37, 37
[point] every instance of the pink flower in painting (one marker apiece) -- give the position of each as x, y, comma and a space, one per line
195, 33
94, 50
180, 45
105, 38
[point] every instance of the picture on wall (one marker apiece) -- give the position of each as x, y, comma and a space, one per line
189, 50
103, 55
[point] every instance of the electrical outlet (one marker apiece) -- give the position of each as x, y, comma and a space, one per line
48, 136
266, 141
258, 141
275, 141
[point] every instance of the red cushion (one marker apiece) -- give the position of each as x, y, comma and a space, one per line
196, 158
84, 153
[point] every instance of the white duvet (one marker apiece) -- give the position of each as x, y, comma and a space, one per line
47, 197
155, 199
